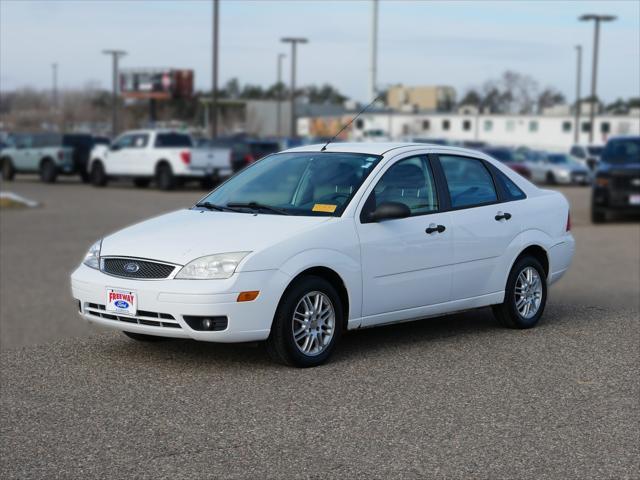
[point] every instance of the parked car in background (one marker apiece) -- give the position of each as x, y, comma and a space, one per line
510, 158
558, 168
100, 140
311, 242
589, 155
164, 156
42, 153
617, 183
432, 141
245, 151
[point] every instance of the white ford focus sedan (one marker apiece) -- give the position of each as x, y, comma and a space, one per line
313, 241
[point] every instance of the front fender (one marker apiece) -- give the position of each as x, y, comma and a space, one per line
347, 268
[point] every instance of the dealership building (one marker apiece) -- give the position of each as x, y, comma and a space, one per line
550, 131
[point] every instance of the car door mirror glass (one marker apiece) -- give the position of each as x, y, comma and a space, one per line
390, 211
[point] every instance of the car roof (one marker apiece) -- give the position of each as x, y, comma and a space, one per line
379, 148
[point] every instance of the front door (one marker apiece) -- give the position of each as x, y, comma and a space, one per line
405, 262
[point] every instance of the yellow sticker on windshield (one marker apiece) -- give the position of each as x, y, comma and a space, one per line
323, 207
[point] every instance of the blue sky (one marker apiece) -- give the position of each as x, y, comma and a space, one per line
420, 42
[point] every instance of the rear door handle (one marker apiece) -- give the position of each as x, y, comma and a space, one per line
503, 216
433, 228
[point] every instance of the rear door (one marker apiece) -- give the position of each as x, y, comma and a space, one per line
405, 262
483, 225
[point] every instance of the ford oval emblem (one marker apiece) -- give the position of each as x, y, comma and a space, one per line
131, 267
121, 304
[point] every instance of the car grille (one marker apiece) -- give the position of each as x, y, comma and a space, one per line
627, 183
120, 267
143, 317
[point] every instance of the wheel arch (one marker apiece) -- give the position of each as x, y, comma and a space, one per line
333, 278
46, 158
539, 253
161, 162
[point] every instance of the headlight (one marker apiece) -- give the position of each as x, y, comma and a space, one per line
222, 265
92, 258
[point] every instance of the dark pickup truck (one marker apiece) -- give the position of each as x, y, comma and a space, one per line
617, 184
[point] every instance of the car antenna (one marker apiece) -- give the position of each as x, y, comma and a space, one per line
349, 123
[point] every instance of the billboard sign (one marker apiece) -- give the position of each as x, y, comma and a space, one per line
156, 83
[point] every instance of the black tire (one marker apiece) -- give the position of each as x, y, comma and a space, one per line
598, 215
141, 182
507, 313
165, 179
8, 172
551, 179
141, 337
98, 175
281, 345
48, 171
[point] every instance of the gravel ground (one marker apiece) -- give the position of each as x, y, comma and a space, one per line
454, 397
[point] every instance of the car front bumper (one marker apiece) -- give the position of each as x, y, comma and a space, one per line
164, 304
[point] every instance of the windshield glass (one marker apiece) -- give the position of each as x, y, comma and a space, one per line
625, 150
312, 184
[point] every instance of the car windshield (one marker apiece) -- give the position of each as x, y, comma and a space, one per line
311, 184
622, 151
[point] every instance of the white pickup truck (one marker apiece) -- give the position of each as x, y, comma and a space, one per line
165, 156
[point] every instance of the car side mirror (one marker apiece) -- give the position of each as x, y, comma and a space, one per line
389, 211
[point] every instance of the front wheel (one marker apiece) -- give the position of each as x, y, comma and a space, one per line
525, 295
48, 171
8, 172
98, 175
307, 324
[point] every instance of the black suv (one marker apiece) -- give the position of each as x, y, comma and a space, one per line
617, 184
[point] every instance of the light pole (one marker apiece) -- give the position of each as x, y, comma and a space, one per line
292, 94
373, 68
596, 37
54, 86
576, 133
213, 124
281, 56
115, 56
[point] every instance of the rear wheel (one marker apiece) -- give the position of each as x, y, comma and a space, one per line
48, 171
551, 179
141, 182
525, 295
140, 337
98, 175
8, 172
307, 324
598, 215
165, 179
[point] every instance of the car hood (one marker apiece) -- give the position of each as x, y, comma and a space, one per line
182, 236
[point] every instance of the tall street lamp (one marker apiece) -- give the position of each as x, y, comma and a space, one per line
576, 130
115, 56
213, 124
294, 41
281, 56
596, 37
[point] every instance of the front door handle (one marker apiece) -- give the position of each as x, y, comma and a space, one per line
435, 228
503, 216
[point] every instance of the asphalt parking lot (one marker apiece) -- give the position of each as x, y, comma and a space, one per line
454, 397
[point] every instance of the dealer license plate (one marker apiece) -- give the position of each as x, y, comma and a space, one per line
124, 302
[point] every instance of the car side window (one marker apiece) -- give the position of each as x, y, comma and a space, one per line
140, 141
409, 181
125, 141
469, 182
510, 189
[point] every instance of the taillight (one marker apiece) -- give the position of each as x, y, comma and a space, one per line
248, 158
185, 157
568, 221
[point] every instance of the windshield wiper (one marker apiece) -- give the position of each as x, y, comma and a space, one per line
217, 208
258, 206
